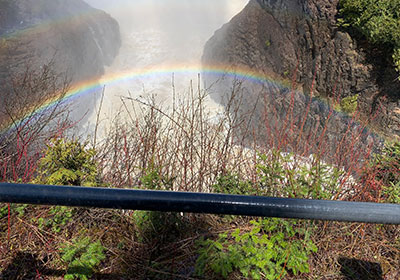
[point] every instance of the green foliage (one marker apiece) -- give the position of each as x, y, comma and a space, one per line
82, 257
281, 175
231, 183
59, 216
154, 180
348, 104
19, 208
160, 226
4, 211
387, 164
267, 43
271, 249
377, 20
153, 225
396, 58
392, 192
67, 163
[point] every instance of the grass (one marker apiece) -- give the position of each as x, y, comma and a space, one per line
186, 148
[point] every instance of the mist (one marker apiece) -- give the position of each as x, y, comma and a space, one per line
160, 35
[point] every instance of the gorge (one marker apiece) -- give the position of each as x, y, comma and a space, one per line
251, 98
150, 43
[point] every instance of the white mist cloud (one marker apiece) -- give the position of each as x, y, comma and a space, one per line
160, 34
173, 15
183, 25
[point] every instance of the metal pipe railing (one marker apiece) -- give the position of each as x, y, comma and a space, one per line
169, 201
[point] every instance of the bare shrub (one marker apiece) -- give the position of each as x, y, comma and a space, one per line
186, 143
191, 146
313, 132
305, 128
31, 112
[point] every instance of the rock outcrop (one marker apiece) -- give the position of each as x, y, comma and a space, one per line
276, 37
48, 46
80, 39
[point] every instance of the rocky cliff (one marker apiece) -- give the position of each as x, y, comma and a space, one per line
81, 39
276, 37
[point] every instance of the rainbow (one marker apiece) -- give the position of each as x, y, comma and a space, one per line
95, 84
42, 27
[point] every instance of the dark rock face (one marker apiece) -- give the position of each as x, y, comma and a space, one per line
80, 39
275, 37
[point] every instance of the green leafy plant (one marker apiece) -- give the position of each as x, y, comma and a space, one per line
59, 216
19, 208
67, 163
387, 168
157, 226
269, 250
388, 163
232, 184
377, 20
154, 180
392, 192
396, 58
348, 104
281, 174
152, 225
271, 247
82, 257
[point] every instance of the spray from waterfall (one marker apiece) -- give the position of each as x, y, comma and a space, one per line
160, 40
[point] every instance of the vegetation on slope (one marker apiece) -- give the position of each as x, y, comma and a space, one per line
377, 20
187, 150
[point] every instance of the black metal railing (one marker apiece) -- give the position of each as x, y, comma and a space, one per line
169, 201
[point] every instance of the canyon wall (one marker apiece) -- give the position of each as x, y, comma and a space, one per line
47, 44
276, 37
79, 39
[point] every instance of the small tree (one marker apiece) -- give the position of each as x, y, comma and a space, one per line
67, 163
